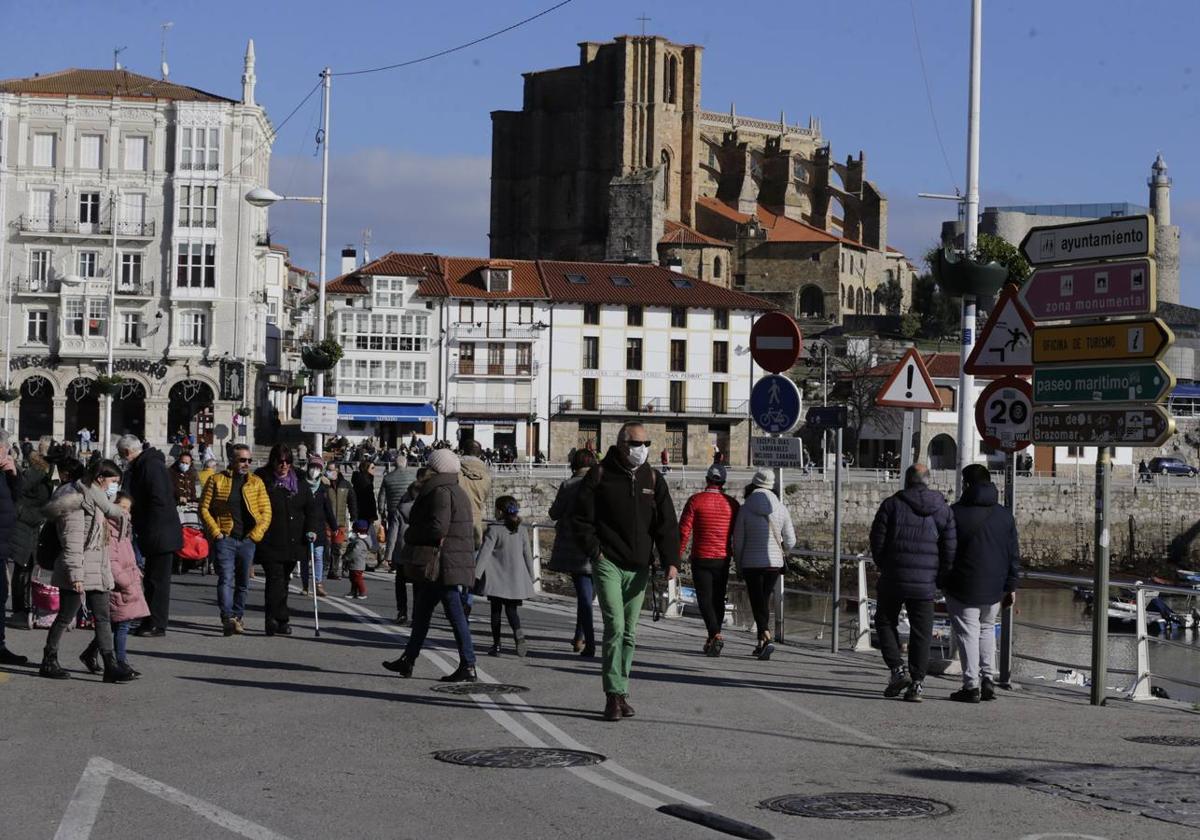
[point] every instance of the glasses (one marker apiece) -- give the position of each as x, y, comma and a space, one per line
633, 443
244, 460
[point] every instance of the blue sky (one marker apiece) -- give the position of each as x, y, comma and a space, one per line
1078, 95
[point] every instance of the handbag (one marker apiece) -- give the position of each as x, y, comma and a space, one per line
424, 563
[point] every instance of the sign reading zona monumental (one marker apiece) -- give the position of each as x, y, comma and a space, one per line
1114, 341
1145, 382
1149, 425
1101, 239
1095, 289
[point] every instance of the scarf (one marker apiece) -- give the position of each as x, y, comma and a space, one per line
287, 482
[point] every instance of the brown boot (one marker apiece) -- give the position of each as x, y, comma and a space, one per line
320, 590
612, 707
623, 703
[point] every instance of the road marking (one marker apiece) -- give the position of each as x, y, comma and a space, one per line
857, 733
84, 807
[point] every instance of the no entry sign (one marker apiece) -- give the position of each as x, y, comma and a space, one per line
775, 342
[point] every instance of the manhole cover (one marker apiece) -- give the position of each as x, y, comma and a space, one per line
857, 806
519, 758
479, 688
1166, 740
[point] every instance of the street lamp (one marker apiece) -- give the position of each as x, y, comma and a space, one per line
265, 197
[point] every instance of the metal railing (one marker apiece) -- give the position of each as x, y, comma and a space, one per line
485, 330
25, 285
71, 227
480, 369
574, 404
514, 408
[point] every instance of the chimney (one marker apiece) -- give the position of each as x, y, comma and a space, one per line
349, 259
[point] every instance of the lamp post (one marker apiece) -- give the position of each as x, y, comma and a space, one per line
265, 197
106, 446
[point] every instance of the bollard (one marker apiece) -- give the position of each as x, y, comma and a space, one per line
862, 640
1005, 654
1140, 690
537, 560
779, 602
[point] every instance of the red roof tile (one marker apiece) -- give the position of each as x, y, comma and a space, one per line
780, 228
680, 234
119, 84
940, 366
462, 277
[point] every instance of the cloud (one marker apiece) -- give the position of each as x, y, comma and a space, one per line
410, 202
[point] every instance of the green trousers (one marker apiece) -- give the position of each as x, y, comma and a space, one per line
621, 593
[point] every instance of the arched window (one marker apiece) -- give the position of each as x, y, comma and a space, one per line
670, 74
858, 301
847, 298
716, 268
666, 167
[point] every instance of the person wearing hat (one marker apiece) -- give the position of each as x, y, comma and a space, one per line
707, 519
441, 518
762, 536
326, 528
356, 559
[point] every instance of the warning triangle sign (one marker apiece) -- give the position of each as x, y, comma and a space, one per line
909, 385
1005, 345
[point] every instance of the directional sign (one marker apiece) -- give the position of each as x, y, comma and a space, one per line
775, 404
319, 415
1101, 239
825, 417
1004, 414
775, 342
1004, 345
776, 452
909, 385
1145, 382
1116, 341
1094, 289
1149, 425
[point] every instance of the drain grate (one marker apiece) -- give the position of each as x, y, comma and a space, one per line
520, 758
857, 806
479, 688
1166, 740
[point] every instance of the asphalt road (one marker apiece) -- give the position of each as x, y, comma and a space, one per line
306, 737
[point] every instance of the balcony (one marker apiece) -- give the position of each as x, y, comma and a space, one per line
145, 287
72, 229
37, 285
575, 404
472, 369
519, 407
484, 331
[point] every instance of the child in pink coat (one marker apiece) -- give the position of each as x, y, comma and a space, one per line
126, 601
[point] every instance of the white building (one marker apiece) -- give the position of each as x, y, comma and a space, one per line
112, 178
290, 315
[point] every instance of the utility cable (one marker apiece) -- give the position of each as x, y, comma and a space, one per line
929, 97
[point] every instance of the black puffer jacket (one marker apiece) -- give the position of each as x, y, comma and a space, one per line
155, 517
912, 537
292, 516
8, 515
987, 562
32, 495
441, 515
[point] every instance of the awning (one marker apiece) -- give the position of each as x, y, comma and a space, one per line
387, 412
1186, 391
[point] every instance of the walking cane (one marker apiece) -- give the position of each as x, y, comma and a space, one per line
312, 567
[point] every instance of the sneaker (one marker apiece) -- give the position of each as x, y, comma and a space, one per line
718, 644
913, 695
239, 628
900, 681
987, 689
965, 695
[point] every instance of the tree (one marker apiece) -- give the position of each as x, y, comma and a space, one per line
939, 313
890, 296
996, 249
857, 386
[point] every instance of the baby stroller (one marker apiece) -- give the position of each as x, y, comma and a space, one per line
195, 551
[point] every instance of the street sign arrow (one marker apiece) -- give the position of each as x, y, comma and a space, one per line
1003, 414
1115, 341
1081, 291
909, 385
1004, 344
775, 342
1145, 382
1150, 425
775, 404
1098, 239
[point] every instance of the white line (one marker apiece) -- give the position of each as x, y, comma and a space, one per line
84, 807
857, 733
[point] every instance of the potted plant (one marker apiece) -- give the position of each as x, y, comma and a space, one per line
9, 394
321, 356
109, 384
245, 411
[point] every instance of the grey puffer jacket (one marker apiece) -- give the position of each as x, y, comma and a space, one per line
79, 512
505, 563
762, 532
567, 556
912, 537
441, 516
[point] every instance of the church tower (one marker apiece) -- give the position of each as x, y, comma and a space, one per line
1166, 235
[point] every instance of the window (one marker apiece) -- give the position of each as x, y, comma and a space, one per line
73, 317
88, 260
589, 435
677, 394
633, 354
199, 148
380, 331
495, 357
131, 271
272, 312
678, 316
131, 329
89, 208
717, 268
525, 313
720, 319
382, 377
37, 327
720, 360
591, 352
633, 395
591, 313
1074, 451
499, 279
97, 318
389, 293
43, 149
589, 394
681, 283
633, 315
135, 154
414, 334
947, 397
720, 392
678, 355
670, 72
466, 358
466, 312
525, 358
39, 267
577, 279
196, 266
89, 151
198, 206
193, 328
41, 207
815, 256
620, 280
133, 212
739, 280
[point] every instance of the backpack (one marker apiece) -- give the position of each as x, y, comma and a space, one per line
48, 546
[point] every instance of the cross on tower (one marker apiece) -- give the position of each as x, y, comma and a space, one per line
643, 19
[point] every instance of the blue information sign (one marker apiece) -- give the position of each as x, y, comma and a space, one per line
775, 404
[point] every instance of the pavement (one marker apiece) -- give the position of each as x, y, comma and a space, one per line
305, 737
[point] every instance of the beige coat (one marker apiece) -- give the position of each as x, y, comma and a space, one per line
79, 513
473, 477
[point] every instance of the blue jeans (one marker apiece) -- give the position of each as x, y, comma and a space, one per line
233, 558
120, 630
319, 557
584, 592
426, 596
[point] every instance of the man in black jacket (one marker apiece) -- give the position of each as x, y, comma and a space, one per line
8, 520
983, 572
155, 524
623, 514
912, 537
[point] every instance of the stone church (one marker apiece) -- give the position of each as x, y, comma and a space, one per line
615, 159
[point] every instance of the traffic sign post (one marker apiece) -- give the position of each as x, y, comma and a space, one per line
1004, 345
1113, 341
1102, 239
1087, 291
1145, 382
1004, 414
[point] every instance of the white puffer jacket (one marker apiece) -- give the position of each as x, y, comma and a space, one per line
762, 524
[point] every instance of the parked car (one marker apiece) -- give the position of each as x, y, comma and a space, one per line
1171, 466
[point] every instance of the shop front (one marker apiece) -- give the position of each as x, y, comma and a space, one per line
391, 424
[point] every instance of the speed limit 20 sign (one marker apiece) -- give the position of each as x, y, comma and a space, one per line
1004, 414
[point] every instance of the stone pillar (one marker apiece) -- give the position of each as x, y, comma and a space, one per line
60, 418
156, 421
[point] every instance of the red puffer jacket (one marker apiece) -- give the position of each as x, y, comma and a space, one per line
710, 513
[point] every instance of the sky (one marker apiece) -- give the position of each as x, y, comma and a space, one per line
1078, 95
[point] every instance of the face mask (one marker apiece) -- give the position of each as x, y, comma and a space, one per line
331, 474
184, 467
638, 455
313, 475
111, 491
